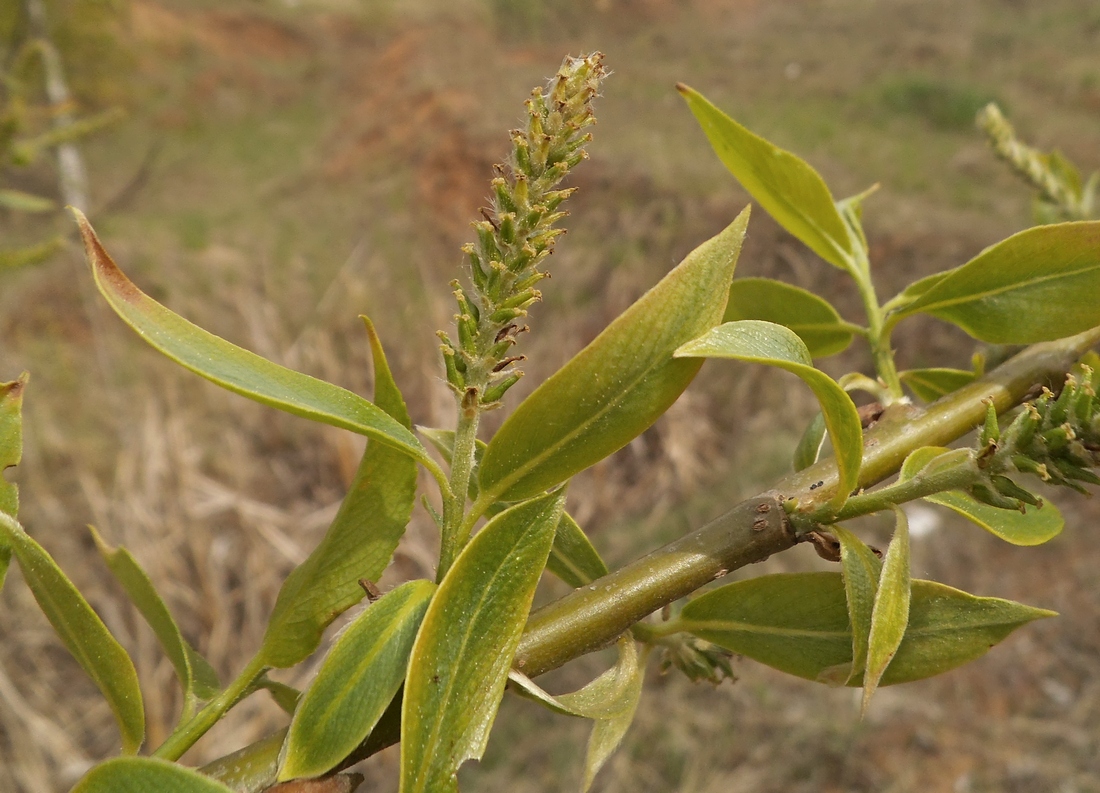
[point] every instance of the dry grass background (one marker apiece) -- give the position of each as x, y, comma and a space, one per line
310, 161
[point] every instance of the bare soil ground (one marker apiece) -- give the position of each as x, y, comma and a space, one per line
287, 166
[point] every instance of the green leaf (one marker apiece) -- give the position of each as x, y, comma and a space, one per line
891, 612
817, 323
607, 696
359, 543
286, 697
931, 384
360, 675
459, 664
11, 441
145, 775
1034, 527
861, 570
798, 623
573, 558
809, 445
608, 733
851, 210
618, 385
82, 631
775, 345
1007, 294
238, 370
19, 201
198, 678
788, 188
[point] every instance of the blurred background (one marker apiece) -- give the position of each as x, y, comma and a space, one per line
271, 170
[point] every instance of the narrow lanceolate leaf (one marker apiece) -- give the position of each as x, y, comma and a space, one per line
798, 623
788, 188
459, 664
359, 543
607, 696
608, 733
144, 775
236, 369
890, 615
82, 631
573, 558
1034, 527
360, 675
618, 385
817, 323
861, 570
931, 384
196, 676
11, 440
775, 345
1007, 293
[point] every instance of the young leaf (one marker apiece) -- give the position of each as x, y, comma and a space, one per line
618, 385
607, 696
460, 661
198, 678
239, 370
1034, 527
82, 631
798, 623
851, 210
890, 615
861, 571
809, 445
788, 188
775, 345
608, 733
1004, 295
573, 558
358, 678
359, 543
817, 323
145, 775
11, 440
931, 384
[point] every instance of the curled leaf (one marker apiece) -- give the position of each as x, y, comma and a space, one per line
775, 345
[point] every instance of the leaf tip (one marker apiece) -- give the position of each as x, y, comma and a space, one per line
107, 274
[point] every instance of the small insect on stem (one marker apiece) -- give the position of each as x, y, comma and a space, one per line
372, 590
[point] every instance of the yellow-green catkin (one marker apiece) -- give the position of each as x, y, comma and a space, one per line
517, 233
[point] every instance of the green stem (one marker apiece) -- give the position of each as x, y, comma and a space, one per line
879, 337
184, 738
455, 534
961, 474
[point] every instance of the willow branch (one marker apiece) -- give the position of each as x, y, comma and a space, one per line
594, 616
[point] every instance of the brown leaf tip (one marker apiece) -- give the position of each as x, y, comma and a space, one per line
104, 269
